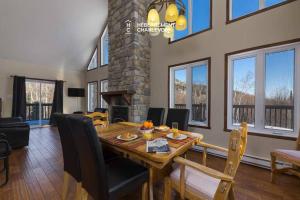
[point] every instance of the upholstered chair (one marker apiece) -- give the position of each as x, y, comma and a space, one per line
156, 115
181, 116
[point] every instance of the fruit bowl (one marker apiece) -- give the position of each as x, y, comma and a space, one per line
147, 127
146, 131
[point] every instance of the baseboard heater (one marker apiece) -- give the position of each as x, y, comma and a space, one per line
247, 159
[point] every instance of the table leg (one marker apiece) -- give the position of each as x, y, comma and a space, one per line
151, 181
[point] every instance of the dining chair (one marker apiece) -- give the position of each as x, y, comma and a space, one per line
289, 156
5, 150
99, 118
70, 156
196, 181
101, 180
102, 110
181, 116
156, 115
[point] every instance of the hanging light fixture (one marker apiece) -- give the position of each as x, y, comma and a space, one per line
174, 17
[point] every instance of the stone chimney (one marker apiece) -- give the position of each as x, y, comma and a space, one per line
129, 61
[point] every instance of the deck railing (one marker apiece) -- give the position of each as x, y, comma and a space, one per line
275, 115
33, 111
198, 111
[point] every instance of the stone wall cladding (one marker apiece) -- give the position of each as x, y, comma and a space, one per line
129, 61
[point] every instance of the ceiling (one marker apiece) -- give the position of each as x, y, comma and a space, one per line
51, 33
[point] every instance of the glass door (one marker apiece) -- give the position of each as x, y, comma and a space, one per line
39, 99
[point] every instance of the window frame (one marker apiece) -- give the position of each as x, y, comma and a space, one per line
189, 26
90, 60
88, 96
191, 64
104, 31
101, 98
260, 75
261, 9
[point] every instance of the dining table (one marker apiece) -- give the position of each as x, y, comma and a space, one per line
158, 164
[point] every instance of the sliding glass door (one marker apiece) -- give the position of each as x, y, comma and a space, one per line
39, 99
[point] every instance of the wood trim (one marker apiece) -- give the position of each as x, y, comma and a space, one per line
199, 32
228, 20
208, 59
100, 89
97, 91
226, 129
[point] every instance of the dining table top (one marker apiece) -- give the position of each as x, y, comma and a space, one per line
137, 148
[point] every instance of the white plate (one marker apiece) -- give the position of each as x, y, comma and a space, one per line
119, 137
162, 128
180, 137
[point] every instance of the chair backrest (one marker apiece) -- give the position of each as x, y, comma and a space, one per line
236, 149
178, 115
156, 115
94, 177
70, 154
102, 110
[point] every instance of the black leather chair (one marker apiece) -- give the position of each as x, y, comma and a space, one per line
70, 155
181, 116
101, 180
16, 131
156, 115
102, 110
5, 151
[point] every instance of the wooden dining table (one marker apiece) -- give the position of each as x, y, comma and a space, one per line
159, 164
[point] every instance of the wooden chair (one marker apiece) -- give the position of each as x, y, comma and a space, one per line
290, 156
99, 118
196, 181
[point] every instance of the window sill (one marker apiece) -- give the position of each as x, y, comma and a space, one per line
229, 21
103, 65
92, 69
275, 136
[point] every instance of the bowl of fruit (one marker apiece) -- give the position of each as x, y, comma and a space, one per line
147, 127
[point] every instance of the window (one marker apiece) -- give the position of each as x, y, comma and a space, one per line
93, 63
198, 15
262, 90
189, 88
92, 96
104, 88
104, 47
240, 8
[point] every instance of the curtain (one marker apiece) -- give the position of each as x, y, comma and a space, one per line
19, 98
57, 105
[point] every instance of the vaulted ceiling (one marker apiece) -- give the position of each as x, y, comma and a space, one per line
50, 33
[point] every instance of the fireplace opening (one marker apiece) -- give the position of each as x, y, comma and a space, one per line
119, 114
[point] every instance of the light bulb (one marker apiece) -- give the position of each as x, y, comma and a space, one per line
153, 18
168, 31
171, 13
181, 23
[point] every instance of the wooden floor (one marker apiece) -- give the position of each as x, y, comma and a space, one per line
37, 173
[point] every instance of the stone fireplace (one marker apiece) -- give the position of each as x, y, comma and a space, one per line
129, 60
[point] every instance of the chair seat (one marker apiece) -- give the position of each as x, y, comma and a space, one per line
197, 182
293, 155
124, 176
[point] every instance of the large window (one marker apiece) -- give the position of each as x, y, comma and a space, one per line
92, 96
94, 60
241, 8
104, 88
189, 88
104, 47
262, 90
198, 15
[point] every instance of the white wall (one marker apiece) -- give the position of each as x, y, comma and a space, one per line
276, 25
73, 79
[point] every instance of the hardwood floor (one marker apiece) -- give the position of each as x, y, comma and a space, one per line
36, 172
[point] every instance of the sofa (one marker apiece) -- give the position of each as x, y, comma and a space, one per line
16, 131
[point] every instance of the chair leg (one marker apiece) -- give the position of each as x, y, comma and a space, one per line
65, 185
273, 168
84, 194
231, 194
78, 191
6, 169
145, 193
168, 188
